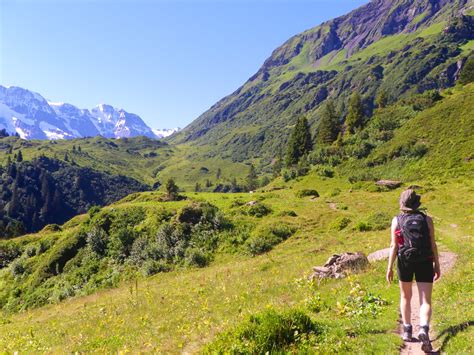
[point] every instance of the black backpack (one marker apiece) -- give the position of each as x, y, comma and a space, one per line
416, 238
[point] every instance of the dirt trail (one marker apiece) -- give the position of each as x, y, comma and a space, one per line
447, 261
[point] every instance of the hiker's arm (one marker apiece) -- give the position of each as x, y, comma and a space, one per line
434, 248
393, 251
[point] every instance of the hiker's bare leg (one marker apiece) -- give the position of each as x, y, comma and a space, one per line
424, 291
405, 301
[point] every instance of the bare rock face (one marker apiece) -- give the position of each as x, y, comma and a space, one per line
339, 265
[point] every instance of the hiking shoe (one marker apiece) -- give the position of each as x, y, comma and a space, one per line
407, 334
424, 337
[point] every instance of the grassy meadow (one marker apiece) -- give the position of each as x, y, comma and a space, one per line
187, 308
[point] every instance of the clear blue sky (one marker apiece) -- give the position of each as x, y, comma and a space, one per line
167, 61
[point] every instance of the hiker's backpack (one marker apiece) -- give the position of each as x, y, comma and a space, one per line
416, 238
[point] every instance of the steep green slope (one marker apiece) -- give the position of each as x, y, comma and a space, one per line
446, 131
400, 47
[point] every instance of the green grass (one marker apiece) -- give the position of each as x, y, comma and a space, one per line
185, 309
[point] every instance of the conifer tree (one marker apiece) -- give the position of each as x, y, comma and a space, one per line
252, 179
329, 126
299, 143
382, 99
171, 190
355, 116
197, 187
218, 174
19, 157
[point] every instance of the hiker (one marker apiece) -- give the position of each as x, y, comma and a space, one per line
414, 247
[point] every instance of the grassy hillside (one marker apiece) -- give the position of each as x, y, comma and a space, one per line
393, 47
183, 309
436, 143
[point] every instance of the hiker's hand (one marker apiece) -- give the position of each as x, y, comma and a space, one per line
437, 273
389, 276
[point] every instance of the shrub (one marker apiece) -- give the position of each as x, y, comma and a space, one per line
307, 192
265, 239
340, 223
197, 257
267, 332
120, 243
258, 210
152, 267
17, 268
31, 251
374, 222
289, 213
97, 240
93, 211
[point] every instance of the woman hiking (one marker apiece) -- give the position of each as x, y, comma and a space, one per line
413, 246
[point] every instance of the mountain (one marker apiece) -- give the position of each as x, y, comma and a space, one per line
166, 132
32, 117
402, 48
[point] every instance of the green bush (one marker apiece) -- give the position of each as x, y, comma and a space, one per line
97, 240
374, 222
307, 192
17, 268
266, 238
267, 332
152, 267
258, 210
197, 257
340, 223
289, 213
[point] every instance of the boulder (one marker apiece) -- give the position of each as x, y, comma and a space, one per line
339, 265
391, 184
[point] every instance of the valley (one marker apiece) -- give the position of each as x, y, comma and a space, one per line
203, 241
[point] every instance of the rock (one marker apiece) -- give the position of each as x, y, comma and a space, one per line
379, 255
339, 265
391, 184
251, 203
331, 260
322, 269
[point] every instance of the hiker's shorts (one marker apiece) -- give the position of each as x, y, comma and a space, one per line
423, 271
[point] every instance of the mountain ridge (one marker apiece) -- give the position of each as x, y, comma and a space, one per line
33, 117
408, 48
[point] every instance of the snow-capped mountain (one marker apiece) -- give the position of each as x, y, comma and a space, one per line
32, 117
166, 132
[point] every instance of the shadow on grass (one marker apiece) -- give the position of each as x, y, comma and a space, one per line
452, 331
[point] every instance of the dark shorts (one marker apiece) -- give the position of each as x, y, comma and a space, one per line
423, 271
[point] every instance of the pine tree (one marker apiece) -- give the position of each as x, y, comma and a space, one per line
208, 183
218, 174
19, 157
355, 116
252, 179
172, 190
329, 126
382, 99
197, 187
66, 157
299, 143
